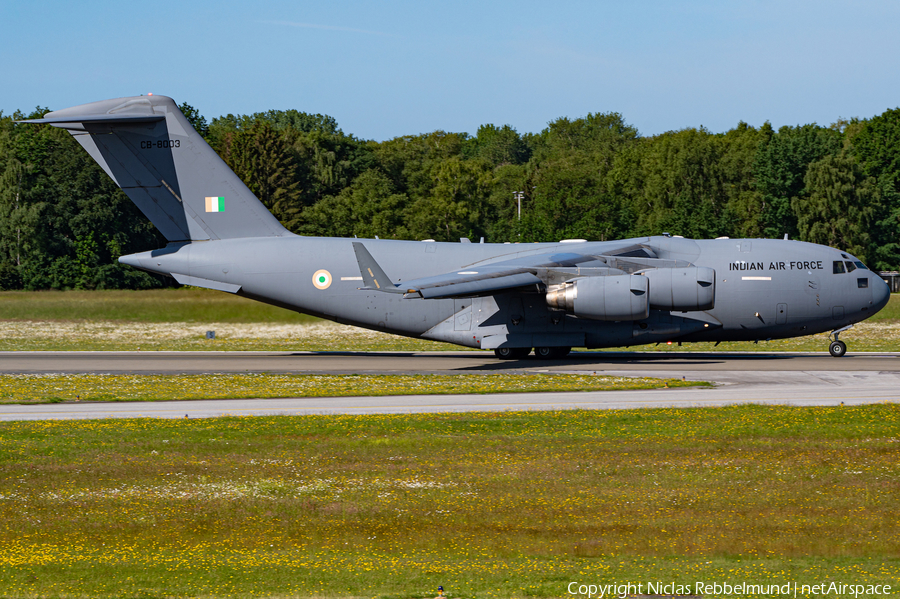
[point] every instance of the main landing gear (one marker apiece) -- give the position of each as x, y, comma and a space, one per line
512, 353
551, 353
838, 348
543, 353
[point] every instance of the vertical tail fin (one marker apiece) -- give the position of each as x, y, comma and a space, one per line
153, 153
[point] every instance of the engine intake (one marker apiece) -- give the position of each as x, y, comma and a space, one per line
685, 289
617, 297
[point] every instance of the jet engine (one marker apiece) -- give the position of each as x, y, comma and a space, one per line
615, 297
685, 289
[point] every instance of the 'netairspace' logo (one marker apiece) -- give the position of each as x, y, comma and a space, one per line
718, 589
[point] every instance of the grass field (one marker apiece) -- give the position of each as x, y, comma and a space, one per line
187, 304
41, 388
515, 504
178, 319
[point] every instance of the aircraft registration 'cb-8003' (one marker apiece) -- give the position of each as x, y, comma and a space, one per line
510, 298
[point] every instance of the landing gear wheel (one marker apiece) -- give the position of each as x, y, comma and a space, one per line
512, 353
837, 348
551, 353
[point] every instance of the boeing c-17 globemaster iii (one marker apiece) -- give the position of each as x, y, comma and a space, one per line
510, 298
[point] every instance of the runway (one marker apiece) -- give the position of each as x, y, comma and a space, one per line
792, 379
452, 362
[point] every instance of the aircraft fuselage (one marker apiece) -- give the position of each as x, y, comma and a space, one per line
764, 289
506, 297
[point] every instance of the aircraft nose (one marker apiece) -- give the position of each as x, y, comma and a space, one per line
881, 293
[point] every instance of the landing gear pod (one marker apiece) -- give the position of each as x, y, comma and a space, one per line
618, 297
685, 289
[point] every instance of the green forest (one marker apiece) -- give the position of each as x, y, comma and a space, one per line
64, 223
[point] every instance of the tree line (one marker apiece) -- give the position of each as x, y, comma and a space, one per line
64, 223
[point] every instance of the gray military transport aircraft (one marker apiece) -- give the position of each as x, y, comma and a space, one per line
510, 298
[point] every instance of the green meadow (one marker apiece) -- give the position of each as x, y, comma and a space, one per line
514, 504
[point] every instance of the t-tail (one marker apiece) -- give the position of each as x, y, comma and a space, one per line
153, 153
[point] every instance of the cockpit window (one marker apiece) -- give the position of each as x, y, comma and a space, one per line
862, 283
838, 267
860, 265
850, 266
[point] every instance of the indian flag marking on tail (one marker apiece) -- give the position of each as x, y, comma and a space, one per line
215, 204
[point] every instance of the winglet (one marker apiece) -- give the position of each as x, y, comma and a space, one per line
374, 278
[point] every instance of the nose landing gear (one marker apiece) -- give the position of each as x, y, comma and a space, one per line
838, 348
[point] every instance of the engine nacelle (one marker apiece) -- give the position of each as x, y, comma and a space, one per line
685, 289
616, 297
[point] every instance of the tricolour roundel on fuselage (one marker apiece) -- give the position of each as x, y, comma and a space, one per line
322, 279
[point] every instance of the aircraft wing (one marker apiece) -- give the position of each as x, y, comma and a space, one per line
484, 279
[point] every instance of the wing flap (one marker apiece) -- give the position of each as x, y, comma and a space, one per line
464, 286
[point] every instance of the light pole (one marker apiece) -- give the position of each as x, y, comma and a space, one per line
518, 195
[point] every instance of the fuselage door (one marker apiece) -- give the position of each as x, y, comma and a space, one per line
463, 319
781, 314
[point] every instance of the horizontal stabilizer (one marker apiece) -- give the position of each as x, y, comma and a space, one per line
96, 119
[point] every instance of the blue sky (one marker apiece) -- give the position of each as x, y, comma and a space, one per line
390, 68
